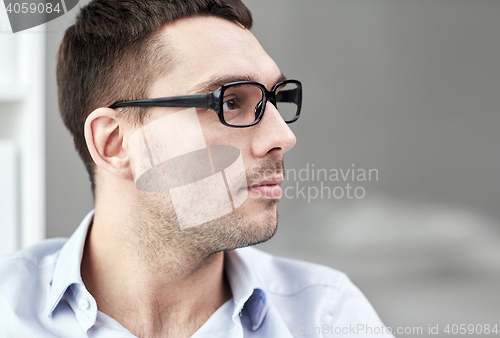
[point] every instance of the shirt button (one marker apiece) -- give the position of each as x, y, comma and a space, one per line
84, 303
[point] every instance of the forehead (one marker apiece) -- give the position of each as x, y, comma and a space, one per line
207, 47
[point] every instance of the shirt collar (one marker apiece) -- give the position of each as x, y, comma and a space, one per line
67, 269
246, 289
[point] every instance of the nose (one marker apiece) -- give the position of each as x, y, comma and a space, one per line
272, 134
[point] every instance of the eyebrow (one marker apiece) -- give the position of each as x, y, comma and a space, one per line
216, 82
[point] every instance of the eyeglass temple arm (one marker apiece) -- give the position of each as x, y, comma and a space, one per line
207, 100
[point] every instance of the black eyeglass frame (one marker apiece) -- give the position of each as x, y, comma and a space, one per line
214, 100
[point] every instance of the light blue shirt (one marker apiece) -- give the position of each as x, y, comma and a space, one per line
42, 295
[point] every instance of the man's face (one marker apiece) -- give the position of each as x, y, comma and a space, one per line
207, 53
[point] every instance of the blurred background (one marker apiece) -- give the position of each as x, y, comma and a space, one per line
406, 89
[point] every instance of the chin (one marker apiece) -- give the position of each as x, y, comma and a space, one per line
255, 221
259, 222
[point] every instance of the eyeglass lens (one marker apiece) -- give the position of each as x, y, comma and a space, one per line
242, 103
287, 97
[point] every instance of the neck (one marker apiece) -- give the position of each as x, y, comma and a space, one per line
151, 287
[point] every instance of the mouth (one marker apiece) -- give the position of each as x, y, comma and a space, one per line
269, 188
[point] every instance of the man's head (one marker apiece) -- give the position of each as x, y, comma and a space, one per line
114, 52
190, 54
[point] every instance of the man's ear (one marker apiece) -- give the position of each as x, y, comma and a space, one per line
104, 133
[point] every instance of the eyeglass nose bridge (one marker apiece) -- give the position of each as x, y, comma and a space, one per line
271, 96
267, 96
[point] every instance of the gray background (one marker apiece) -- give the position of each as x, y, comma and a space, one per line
409, 88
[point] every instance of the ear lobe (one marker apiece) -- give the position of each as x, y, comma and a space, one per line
104, 136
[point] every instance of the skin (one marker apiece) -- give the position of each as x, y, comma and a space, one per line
146, 273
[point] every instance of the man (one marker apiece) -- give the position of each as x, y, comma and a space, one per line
160, 96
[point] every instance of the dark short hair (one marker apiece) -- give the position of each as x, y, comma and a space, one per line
113, 53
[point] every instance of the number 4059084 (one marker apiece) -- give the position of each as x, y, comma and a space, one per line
471, 329
32, 7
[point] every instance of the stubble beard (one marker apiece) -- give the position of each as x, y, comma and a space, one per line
164, 246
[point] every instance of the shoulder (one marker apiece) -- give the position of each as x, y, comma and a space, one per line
288, 276
35, 254
308, 294
25, 282
27, 265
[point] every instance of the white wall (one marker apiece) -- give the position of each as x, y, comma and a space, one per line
22, 134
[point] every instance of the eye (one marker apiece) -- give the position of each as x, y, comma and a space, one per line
230, 104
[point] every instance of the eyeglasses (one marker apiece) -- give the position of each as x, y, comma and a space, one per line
238, 104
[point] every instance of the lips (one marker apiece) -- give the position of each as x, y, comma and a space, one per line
269, 188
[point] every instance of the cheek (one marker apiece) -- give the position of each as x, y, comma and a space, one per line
212, 129
215, 133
